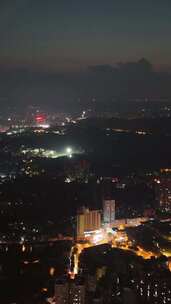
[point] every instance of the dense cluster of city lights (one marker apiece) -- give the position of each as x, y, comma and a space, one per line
47, 153
117, 238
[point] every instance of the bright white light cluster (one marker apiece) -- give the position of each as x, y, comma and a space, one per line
48, 153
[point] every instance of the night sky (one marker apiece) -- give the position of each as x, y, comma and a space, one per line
72, 34
67, 36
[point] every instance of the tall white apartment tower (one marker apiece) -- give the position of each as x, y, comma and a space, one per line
108, 211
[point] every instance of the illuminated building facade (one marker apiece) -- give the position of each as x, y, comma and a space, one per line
165, 194
61, 291
69, 291
77, 292
108, 211
87, 220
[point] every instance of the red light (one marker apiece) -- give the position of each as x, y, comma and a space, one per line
40, 118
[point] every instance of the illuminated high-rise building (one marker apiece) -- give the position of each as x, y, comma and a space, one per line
69, 291
165, 194
108, 211
87, 220
80, 225
61, 291
77, 292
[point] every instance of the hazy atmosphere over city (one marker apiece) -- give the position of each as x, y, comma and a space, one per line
54, 52
85, 152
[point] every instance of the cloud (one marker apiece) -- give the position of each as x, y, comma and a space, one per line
131, 80
105, 68
128, 80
